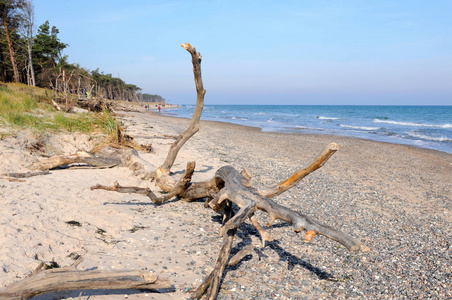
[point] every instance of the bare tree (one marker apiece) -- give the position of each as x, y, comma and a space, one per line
27, 31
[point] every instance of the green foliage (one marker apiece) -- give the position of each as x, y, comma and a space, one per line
27, 107
152, 98
47, 48
108, 124
51, 67
74, 123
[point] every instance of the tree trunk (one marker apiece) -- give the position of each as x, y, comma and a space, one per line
30, 65
11, 51
70, 279
28, 16
194, 125
79, 157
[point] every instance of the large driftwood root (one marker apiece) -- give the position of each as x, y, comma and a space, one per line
230, 188
248, 199
70, 279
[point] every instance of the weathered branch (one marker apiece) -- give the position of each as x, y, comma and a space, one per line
297, 176
130, 158
79, 157
177, 191
194, 125
69, 279
121, 189
300, 222
26, 175
265, 236
212, 282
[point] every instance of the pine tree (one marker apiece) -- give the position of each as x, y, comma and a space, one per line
47, 51
9, 16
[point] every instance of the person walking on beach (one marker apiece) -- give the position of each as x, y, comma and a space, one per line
160, 108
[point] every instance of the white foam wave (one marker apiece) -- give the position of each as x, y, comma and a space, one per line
259, 114
360, 127
429, 138
413, 124
326, 118
241, 119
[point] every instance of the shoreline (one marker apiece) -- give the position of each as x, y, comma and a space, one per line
393, 198
303, 133
339, 123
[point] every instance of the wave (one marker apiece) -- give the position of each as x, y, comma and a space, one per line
259, 114
412, 124
326, 118
300, 127
361, 127
241, 119
429, 138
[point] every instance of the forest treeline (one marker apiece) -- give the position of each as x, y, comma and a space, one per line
35, 57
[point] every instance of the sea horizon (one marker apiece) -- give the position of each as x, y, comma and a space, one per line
422, 126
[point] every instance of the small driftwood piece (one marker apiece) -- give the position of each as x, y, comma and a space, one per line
81, 157
56, 105
70, 279
26, 175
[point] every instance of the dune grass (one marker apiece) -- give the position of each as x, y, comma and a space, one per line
23, 107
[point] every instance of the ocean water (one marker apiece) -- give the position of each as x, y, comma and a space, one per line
421, 126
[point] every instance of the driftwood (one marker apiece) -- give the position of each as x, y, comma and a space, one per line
229, 192
229, 189
194, 125
94, 105
80, 157
26, 175
69, 278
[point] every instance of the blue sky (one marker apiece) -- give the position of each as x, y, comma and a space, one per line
266, 52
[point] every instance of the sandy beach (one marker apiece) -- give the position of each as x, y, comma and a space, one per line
395, 199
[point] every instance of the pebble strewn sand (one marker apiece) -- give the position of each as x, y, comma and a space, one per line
395, 199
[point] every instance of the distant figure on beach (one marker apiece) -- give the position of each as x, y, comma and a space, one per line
159, 108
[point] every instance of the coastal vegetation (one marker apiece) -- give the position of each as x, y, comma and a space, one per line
25, 107
36, 58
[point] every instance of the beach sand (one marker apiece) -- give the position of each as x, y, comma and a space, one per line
395, 199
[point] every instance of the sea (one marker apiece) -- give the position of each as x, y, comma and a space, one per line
420, 126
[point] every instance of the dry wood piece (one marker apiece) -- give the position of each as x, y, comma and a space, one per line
297, 176
194, 125
26, 175
56, 106
177, 191
70, 279
78, 157
129, 158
